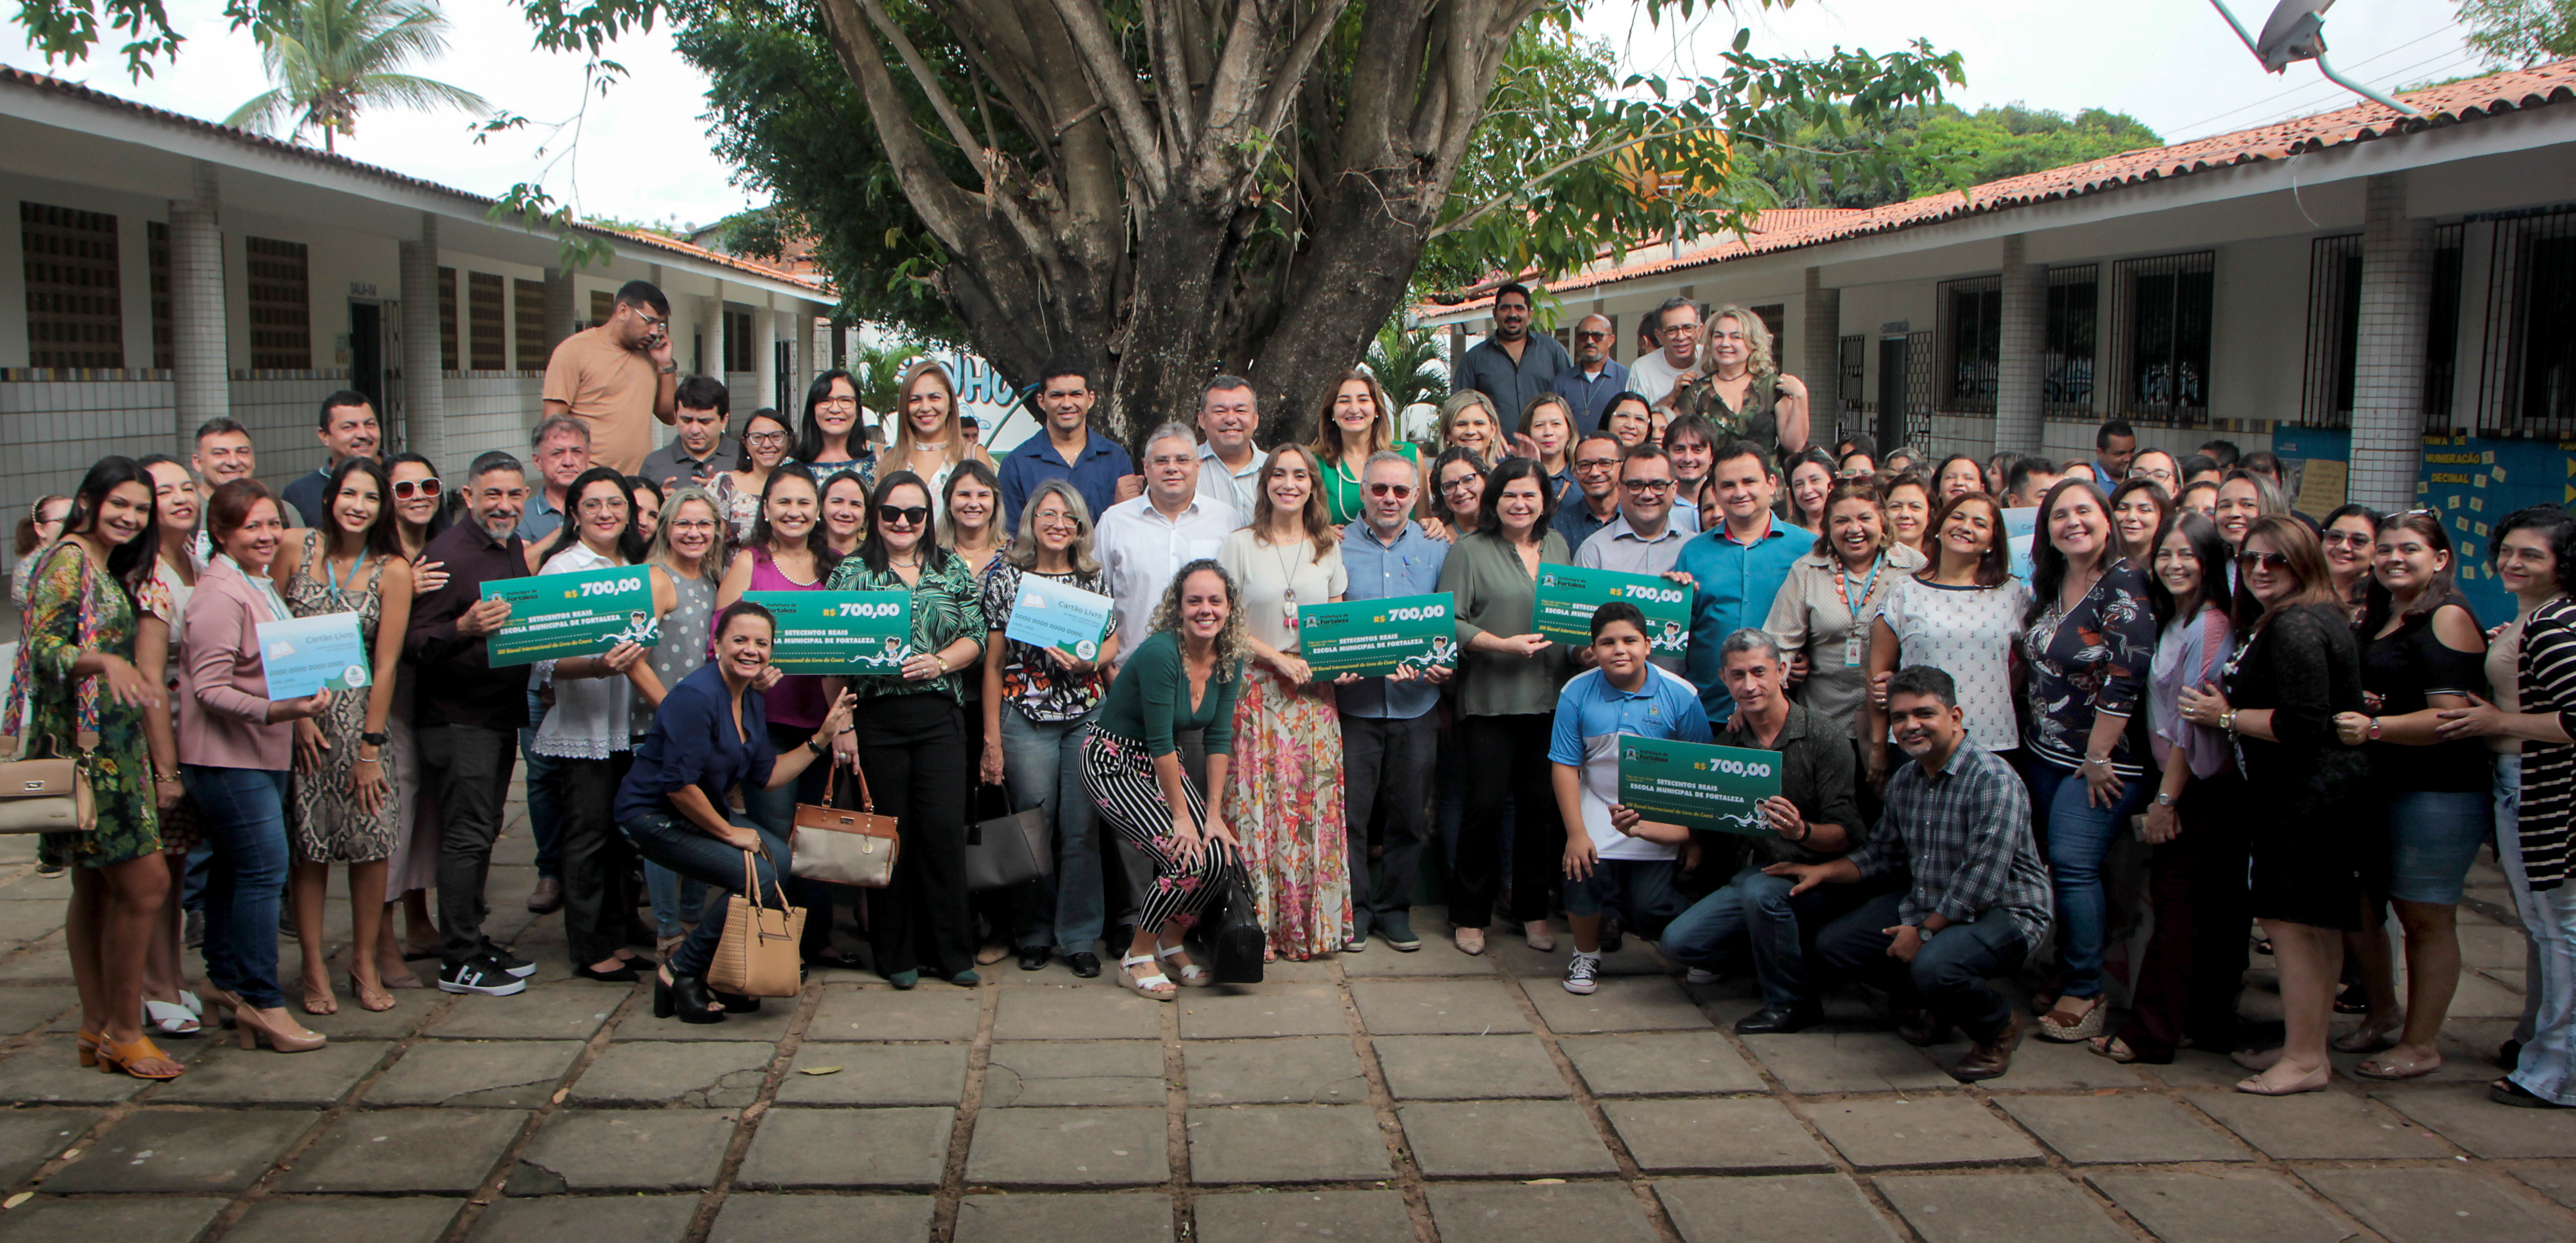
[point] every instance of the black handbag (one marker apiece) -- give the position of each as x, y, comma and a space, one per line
1240, 941
1009, 850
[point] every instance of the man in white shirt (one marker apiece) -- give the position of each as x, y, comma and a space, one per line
1677, 326
1146, 540
1229, 462
1642, 539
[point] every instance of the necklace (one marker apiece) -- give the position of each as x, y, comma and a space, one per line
1288, 579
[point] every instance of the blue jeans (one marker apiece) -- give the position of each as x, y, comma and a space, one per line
245, 820
677, 899
1754, 919
1948, 975
1042, 765
2079, 837
545, 809
2547, 1067
687, 849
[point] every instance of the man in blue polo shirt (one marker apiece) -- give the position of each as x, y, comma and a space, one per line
1067, 449
1736, 565
1390, 735
1612, 857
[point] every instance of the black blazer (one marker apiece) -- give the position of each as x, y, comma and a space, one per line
2305, 667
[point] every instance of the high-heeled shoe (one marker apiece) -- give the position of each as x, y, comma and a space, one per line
114, 1058
685, 998
253, 1028
85, 1046
226, 1004
368, 1002
735, 1003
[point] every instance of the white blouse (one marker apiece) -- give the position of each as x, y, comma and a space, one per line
1277, 579
1968, 633
590, 719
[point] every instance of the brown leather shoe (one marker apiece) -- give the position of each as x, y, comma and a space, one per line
547, 897
1920, 1028
1990, 1061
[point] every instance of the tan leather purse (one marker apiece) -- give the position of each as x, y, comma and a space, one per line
47, 795
844, 847
757, 956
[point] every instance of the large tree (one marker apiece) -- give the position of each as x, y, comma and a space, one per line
1165, 188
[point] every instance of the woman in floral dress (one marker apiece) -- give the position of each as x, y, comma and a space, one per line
1287, 775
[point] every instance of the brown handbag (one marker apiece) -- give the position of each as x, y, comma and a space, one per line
844, 847
757, 957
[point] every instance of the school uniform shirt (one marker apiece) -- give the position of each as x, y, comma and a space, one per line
1591, 716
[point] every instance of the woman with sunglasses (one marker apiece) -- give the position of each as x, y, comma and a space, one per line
2532, 665
1287, 775
910, 736
828, 440
345, 806
2422, 652
766, 441
2295, 667
2349, 536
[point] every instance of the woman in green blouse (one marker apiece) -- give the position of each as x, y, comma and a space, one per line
909, 736
1356, 421
1508, 677
1184, 676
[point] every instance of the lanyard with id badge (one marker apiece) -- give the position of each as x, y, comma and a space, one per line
1856, 646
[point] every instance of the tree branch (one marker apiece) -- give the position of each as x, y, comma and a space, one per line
1550, 173
1292, 69
951, 212
1113, 84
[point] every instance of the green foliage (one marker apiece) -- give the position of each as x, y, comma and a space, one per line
2514, 34
878, 367
1407, 362
331, 58
1943, 147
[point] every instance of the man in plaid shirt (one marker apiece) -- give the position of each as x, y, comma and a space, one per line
1958, 818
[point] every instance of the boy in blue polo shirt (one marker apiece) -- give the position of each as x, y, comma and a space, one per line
1613, 857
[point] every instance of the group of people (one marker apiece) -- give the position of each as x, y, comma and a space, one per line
1961, 746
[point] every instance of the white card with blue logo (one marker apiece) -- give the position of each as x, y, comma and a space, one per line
302, 655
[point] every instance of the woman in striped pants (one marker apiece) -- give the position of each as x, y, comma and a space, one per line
1184, 676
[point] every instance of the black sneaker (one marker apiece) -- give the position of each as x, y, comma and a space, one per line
507, 961
1397, 932
480, 975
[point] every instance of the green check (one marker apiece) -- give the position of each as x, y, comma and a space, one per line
582, 613
1568, 596
1698, 785
839, 632
1374, 637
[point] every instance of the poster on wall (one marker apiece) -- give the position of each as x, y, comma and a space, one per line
2472, 481
2316, 464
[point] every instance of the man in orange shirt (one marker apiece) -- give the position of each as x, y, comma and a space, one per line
615, 375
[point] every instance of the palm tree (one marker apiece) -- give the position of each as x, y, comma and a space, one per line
878, 367
329, 57
1407, 362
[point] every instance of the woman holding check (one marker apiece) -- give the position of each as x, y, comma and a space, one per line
708, 738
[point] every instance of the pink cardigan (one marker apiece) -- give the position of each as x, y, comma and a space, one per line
223, 707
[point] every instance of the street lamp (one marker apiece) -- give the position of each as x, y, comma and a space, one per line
2295, 32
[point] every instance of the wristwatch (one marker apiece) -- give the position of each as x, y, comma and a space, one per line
2163, 799
375, 740
1924, 931
818, 747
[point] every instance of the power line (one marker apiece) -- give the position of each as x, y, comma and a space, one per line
2304, 86
2317, 96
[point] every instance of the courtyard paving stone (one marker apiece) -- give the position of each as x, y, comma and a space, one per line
885, 1014
1934, 1131
875, 1074
2318, 1126
1311, 1070
1660, 1064
1077, 1014
795, 1149
48, 1071
2557, 1184
1725, 1136
2124, 1130
580, 1150
2463, 1115
1591, 1212
769, 1026
1286, 1144
2441, 1206
236, 1076
26, 1009
1981, 1208
391, 1151
1271, 1010
755, 1218
1814, 1063
1107, 1072
1772, 1208
1492, 1139
1127, 1216
175, 1150
338, 1219
498, 1074
2219, 1206
1623, 1004
31, 1137
1464, 1068
1068, 1148
1438, 1007
1285, 1216
626, 1219
651, 1074
119, 1219
555, 1012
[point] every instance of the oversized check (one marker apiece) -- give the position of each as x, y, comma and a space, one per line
1061, 616
839, 632
302, 655
1568, 596
582, 613
1698, 785
1376, 637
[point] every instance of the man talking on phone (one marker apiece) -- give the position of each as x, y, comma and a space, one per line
616, 375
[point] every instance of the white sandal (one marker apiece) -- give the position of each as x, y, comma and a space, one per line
189, 999
1144, 985
1192, 974
169, 1018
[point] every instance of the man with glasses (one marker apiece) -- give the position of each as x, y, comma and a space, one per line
1512, 364
1596, 479
1066, 448
1676, 324
1595, 379
1643, 538
2158, 467
1390, 735
700, 448
614, 376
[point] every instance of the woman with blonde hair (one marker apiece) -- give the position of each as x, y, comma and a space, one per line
1288, 778
928, 440
1738, 387
1468, 421
1356, 421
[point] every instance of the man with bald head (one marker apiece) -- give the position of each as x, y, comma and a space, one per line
1594, 379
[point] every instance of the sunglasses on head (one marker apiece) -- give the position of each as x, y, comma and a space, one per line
405, 489
2267, 560
906, 515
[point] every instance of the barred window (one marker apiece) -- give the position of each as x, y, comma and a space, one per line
1970, 327
2334, 331
528, 334
2529, 385
75, 308
737, 341
484, 297
281, 305
2074, 306
165, 339
2442, 326
2165, 312
450, 358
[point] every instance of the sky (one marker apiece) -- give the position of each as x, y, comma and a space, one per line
643, 151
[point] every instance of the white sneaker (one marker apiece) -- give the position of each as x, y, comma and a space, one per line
1581, 974
1697, 975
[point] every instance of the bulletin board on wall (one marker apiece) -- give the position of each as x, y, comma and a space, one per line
2316, 464
2472, 481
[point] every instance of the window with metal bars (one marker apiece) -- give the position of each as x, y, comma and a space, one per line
165, 339
2528, 385
602, 305
737, 341
75, 307
281, 305
450, 357
483, 319
2069, 345
2442, 326
2334, 331
1919, 381
1851, 363
2164, 308
1774, 317
528, 332
1969, 335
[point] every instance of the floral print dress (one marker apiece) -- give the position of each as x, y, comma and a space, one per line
74, 607
329, 824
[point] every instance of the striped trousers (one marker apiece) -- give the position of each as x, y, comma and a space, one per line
1119, 773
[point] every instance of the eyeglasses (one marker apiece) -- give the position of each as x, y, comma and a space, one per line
903, 515
1462, 483
765, 438
1591, 336
602, 504
1397, 490
837, 402
1670, 329
1595, 463
1647, 485
405, 489
690, 524
2266, 560
2337, 539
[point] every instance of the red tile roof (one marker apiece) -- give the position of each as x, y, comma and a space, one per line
1777, 231
12, 77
